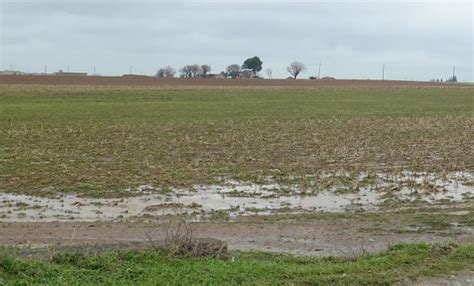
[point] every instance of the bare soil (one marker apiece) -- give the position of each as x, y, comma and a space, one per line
337, 237
154, 81
460, 279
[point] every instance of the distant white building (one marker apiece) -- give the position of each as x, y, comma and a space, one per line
246, 73
216, 75
60, 72
10, 72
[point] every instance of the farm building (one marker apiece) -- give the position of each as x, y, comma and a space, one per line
10, 72
62, 73
246, 73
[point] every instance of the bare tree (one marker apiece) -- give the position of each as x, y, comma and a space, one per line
269, 73
170, 71
166, 72
205, 70
233, 70
196, 70
190, 71
295, 69
186, 71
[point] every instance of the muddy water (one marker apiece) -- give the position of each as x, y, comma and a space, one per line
199, 203
235, 199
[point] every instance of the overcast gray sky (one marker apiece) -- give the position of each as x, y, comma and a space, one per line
415, 40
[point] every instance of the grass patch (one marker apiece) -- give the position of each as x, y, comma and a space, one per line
432, 221
399, 263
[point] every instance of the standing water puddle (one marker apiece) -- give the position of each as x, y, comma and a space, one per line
232, 198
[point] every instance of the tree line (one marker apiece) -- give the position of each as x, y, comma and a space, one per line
249, 68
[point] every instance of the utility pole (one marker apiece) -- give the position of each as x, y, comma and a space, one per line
383, 72
67, 68
319, 71
454, 71
45, 69
94, 71
10, 66
130, 70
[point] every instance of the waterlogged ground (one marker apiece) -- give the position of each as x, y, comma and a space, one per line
111, 166
99, 141
348, 193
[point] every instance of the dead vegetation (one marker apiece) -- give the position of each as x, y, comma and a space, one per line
153, 208
98, 141
177, 239
115, 157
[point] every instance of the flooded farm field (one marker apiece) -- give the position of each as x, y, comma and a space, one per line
288, 159
314, 171
232, 199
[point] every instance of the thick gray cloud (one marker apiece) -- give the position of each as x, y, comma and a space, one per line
352, 39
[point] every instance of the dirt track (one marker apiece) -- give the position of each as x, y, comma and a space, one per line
342, 237
153, 81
